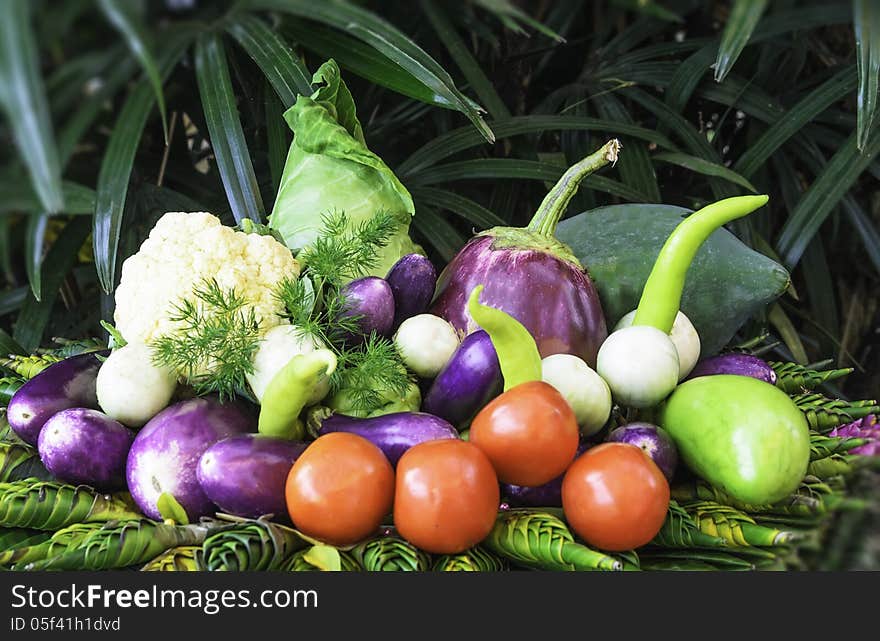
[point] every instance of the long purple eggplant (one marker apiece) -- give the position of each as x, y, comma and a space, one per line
62, 385
738, 364
394, 433
412, 280
470, 379
532, 276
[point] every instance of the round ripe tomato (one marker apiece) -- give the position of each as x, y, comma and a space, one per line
615, 497
340, 488
446, 498
529, 433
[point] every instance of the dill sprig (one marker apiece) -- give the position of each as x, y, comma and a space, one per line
369, 376
343, 251
367, 372
214, 345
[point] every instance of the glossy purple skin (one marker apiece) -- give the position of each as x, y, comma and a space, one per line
165, 454
394, 433
62, 385
371, 299
553, 298
245, 475
653, 440
547, 495
470, 379
412, 280
84, 446
737, 364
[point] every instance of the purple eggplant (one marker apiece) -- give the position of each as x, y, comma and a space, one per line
470, 379
412, 280
654, 441
245, 475
547, 495
394, 433
532, 276
85, 446
62, 385
369, 298
165, 454
737, 364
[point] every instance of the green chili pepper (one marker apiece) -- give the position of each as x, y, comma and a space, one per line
288, 391
517, 352
661, 296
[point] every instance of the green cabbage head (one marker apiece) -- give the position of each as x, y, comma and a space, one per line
329, 168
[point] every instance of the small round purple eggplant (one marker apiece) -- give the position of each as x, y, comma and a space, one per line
84, 446
166, 452
653, 440
737, 364
547, 495
470, 379
62, 385
394, 433
245, 475
412, 280
370, 299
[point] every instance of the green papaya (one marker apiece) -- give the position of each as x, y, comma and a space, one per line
726, 284
744, 436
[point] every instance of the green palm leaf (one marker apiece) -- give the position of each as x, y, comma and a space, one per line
19, 461
744, 17
391, 554
250, 545
866, 23
324, 558
183, 558
476, 559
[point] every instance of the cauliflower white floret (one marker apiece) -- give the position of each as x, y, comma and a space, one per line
185, 249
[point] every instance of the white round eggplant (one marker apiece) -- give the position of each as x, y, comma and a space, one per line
426, 343
279, 345
640, 365
586, 391
683, 335
131, 388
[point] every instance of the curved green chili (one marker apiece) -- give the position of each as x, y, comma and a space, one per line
661, 296
288, 391
517, 352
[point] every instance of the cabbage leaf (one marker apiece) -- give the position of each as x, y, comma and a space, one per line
330, 169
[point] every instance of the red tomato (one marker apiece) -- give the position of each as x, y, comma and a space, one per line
615, 497
446, 498
340, 489
529, 433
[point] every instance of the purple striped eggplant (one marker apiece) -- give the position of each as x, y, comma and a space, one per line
737, 364
470, 379
65, 384
532, 276
412, 280
370, 298
394, 433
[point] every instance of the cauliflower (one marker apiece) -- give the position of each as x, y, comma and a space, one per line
185, 249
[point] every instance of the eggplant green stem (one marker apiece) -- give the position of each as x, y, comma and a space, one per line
661, 296
555, 202
516, 349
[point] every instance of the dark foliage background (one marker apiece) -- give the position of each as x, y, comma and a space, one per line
710, 99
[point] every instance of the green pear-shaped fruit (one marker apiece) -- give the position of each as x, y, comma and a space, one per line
743, 435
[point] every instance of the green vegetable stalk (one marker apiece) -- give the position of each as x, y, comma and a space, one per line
250, 545
9, 385
542, 541
802, 503
47, 505
824, 446
794, 378
120, 545
288, 392
661, 296
47, 546
323, 558
28, 366
735, 527
681, 531
391, 554
13, 537
693, 559
183, 558
516, 348
476, 559
20, 461
824, 414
